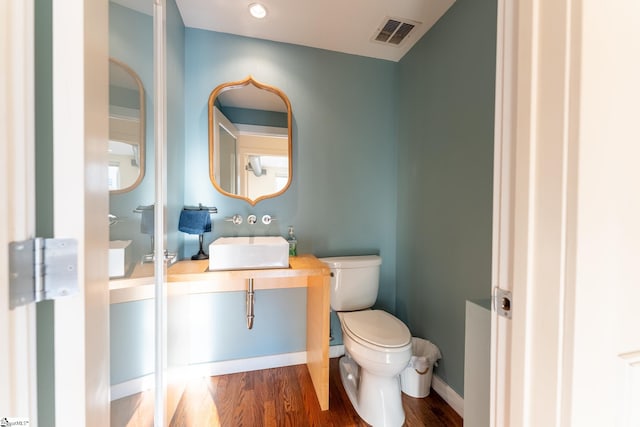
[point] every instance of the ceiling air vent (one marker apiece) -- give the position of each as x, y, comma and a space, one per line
394, 30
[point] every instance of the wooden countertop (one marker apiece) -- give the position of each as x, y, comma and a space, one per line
201, 280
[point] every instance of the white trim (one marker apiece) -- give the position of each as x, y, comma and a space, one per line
448, 394
18, 386
258, 130
336, 351
131, 387
504, 129
629, 409
220, 120
165, 402
140, 384
80, 134
250, 364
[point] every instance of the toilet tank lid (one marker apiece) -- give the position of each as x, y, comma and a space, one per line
352, 261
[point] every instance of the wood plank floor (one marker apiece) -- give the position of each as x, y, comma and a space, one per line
271, 397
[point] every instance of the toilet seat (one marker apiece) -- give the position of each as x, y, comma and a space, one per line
377, 328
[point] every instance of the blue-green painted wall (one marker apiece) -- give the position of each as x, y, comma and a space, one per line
342, 197
176, 166
131, 42
445, 155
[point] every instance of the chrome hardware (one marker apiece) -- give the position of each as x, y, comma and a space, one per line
502, 302
252, 219
267, 219
113, 220
250, 303
42, 269
169, 257
141, 208
236, 219
201, 207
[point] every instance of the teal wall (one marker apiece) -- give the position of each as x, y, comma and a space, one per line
445, 168
176, 166
131, 42
342, 197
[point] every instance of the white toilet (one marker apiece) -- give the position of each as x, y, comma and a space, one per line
377, 344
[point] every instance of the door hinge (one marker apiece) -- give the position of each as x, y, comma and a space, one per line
502, 302
42, 269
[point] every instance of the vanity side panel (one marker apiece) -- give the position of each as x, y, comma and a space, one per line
318, 336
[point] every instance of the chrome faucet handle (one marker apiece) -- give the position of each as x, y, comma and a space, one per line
252, 219
267, 219
236, 219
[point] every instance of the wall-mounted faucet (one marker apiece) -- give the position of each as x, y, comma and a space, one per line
113, 220
236, 219
251, 219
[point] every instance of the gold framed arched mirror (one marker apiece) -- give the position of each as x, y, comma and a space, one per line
250, 156
126, 128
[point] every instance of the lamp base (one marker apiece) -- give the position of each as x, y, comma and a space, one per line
200, 255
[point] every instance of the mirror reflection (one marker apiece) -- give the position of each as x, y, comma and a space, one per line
249, 140
126, 128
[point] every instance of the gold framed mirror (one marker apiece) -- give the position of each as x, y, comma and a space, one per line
250, 155
126, 128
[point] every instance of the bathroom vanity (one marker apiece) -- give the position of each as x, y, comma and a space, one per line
193, 277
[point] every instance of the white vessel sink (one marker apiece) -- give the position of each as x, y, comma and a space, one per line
243, 253
119, 258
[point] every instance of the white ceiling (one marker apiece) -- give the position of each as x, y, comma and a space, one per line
346, 26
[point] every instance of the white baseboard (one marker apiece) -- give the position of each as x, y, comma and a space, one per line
448, 394
246, 365
138, 385
336, 351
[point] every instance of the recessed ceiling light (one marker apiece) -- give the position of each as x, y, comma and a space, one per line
257, 10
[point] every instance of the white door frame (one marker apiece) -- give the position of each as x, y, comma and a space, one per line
533, 217
570, 154
504, 131
80, 208
18, 388
80, 134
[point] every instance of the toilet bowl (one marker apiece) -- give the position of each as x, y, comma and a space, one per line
377, 344
372, 365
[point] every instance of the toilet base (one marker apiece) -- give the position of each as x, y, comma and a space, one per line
377, 400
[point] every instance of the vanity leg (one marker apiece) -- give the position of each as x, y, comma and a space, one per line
318, 336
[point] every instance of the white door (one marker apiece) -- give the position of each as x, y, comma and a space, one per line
80, 207
571, 354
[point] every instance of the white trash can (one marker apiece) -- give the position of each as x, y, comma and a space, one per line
415, 379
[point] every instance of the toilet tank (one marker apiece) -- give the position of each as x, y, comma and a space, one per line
354, 281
